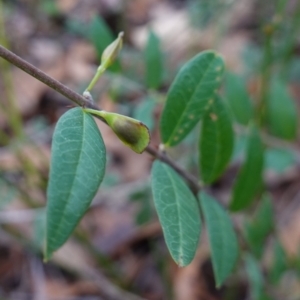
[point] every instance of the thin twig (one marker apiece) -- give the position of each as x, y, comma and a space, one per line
43, 77
162, 156
82, 101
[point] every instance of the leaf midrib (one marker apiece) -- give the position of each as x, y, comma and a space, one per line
180, 259
189, 103
75, 176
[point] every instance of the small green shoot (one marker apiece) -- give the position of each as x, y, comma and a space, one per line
131, 132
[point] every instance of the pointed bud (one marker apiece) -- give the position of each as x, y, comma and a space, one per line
111, 52
131, 132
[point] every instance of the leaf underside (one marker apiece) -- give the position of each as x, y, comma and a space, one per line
190, 96
178, 213
76, 171
222, 238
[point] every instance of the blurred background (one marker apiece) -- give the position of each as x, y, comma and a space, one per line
118, 251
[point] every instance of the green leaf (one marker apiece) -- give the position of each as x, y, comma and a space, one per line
144, 199
222, 238
144, 112
260, 226
101, 36
279, 159
153, 61
39, 229
216, 141
281, 111
249, 179
240, 145
279, 263
111, 52
256, 280
50, 8
76, 171
190, 95
178, 213
238, 98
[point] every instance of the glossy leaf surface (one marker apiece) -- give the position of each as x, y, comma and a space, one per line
178, 213
249, 179
76, 171
216, 141
222, 238
153, 61
190, 95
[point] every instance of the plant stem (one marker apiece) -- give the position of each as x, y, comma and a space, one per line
41, 76
193, 182
82, 101
100, 71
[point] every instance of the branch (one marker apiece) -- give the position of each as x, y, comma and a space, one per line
43, 77
162, 156
84, 102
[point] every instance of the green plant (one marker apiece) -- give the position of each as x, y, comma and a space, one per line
78, 161
182, 201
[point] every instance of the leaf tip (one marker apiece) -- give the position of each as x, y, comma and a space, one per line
181, 262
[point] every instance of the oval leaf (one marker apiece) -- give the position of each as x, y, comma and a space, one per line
153, 61
178, 213
238, 98
249, 179
191, 92
259, 226
256, 280
216, 141
281, 112
222, 238
76, 171
279, 263
144, 111
101, 36
279, 160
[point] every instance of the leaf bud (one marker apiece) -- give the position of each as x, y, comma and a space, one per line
133, 133
111, 52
